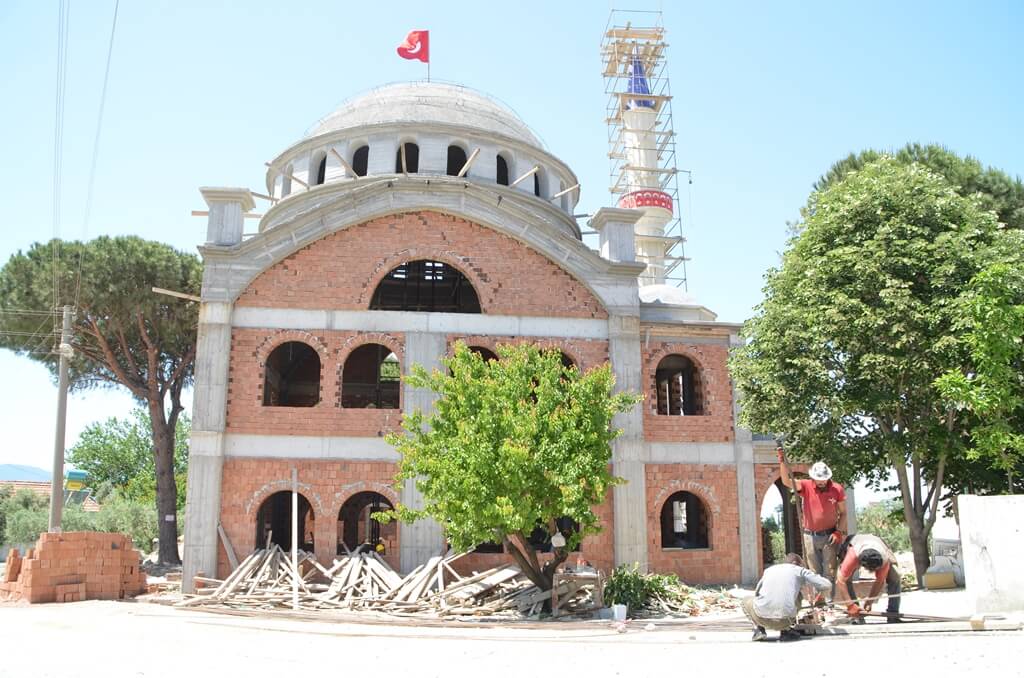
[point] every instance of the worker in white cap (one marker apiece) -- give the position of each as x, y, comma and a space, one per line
824, 513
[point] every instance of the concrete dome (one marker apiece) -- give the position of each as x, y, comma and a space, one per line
667, 294
426, 102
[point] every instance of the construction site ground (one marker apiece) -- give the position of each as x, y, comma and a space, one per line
144, 639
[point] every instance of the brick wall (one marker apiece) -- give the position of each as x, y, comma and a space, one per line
326, 485
585, 353
246, 412
715, 485
716, 423
74, 566
341, 270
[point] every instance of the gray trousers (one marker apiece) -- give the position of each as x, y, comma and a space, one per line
821, 558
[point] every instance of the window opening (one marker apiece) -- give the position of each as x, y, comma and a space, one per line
360, 160
678, 384
412, 159
321, 170
456, 160
502, 170
684, 522
274, 522
371, 378
292, 376
357, 529
425, 286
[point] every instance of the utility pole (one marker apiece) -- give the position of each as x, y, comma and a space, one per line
57, 481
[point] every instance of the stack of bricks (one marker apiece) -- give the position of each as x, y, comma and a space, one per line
74, 566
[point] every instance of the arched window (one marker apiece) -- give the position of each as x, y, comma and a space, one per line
357, 527
371, 378
286, 182
502, 170
412, 159
685, 522
538, 183
360, 160
425, 286
456, 160
678, 384
485, 353
274, 522
319, 165
292, 376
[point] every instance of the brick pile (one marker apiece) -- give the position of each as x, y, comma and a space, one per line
74, 566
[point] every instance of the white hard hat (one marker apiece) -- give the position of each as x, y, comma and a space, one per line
820, 471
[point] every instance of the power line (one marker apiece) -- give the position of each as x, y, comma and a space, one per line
95, 154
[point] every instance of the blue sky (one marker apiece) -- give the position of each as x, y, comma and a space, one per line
767, 97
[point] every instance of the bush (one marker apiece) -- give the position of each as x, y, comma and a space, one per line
24, 525
133, 518
885, 520
628, 586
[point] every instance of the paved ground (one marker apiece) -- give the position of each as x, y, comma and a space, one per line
136, 639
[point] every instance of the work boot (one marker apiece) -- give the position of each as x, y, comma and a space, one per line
893, 618
789, 634
759, 634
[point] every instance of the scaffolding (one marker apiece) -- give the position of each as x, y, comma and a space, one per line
633, 39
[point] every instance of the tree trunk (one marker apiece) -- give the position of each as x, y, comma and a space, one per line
166, 489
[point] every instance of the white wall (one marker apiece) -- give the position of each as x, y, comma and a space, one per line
992, 538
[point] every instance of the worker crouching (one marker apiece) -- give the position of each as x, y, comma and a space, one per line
776, 600
871, 553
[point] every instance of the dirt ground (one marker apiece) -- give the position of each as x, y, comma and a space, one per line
138, 639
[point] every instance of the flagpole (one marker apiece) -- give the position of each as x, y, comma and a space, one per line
428, 70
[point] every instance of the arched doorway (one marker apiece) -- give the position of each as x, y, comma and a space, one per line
780, 531
274, 522
356, 527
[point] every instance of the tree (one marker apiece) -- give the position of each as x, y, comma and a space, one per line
859, 321
124, 334
995, 190
884, 519
991, 386
514, 445
119, 452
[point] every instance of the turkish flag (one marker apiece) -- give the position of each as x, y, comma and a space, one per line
416, 46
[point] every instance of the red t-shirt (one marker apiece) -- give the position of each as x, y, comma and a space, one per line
820, 505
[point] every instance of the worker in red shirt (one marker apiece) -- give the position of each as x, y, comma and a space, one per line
824, 513
871, 553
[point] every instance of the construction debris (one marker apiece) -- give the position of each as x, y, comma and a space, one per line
364, 581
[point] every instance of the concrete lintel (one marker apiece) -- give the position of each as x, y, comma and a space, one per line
308, 447
689, 453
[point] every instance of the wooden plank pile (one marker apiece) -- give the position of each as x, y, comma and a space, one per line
364, 581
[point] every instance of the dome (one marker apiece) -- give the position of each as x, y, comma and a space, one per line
426, 102
667, 294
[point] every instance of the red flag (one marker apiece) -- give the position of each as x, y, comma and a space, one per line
416, 46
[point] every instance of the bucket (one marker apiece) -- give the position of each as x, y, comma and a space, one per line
619, 612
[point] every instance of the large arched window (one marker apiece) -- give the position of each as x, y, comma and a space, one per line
685, 522
292, 376
502, 170
356, 525
371, 378
425, 286
361, 160
678, 384
319, 165
456, 160
274, 522
412, 159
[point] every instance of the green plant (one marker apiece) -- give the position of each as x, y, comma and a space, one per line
134, 518
628, 586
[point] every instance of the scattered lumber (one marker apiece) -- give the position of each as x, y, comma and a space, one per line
364, 581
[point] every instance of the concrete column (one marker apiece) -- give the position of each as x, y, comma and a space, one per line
522, 165
423, 539
746, 491
851, 511
382, 155
615, 230
335, 170
630, 499
433, 153
224, 226
485, 167
206, 449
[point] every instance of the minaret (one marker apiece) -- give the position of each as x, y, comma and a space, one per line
639, 119
642, 153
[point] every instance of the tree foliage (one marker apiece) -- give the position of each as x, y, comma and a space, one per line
994, 190
513, 445
858, 322
884, 519
124, 334
119, 453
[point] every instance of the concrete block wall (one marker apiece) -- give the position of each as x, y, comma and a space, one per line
326, 485
341, 270
73, 566
716, 423
715, 485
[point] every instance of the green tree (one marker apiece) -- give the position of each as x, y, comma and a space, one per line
25, 515
994, 190
513, 445
124, 334
119, 452
990, 386
858, 322
884, 519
